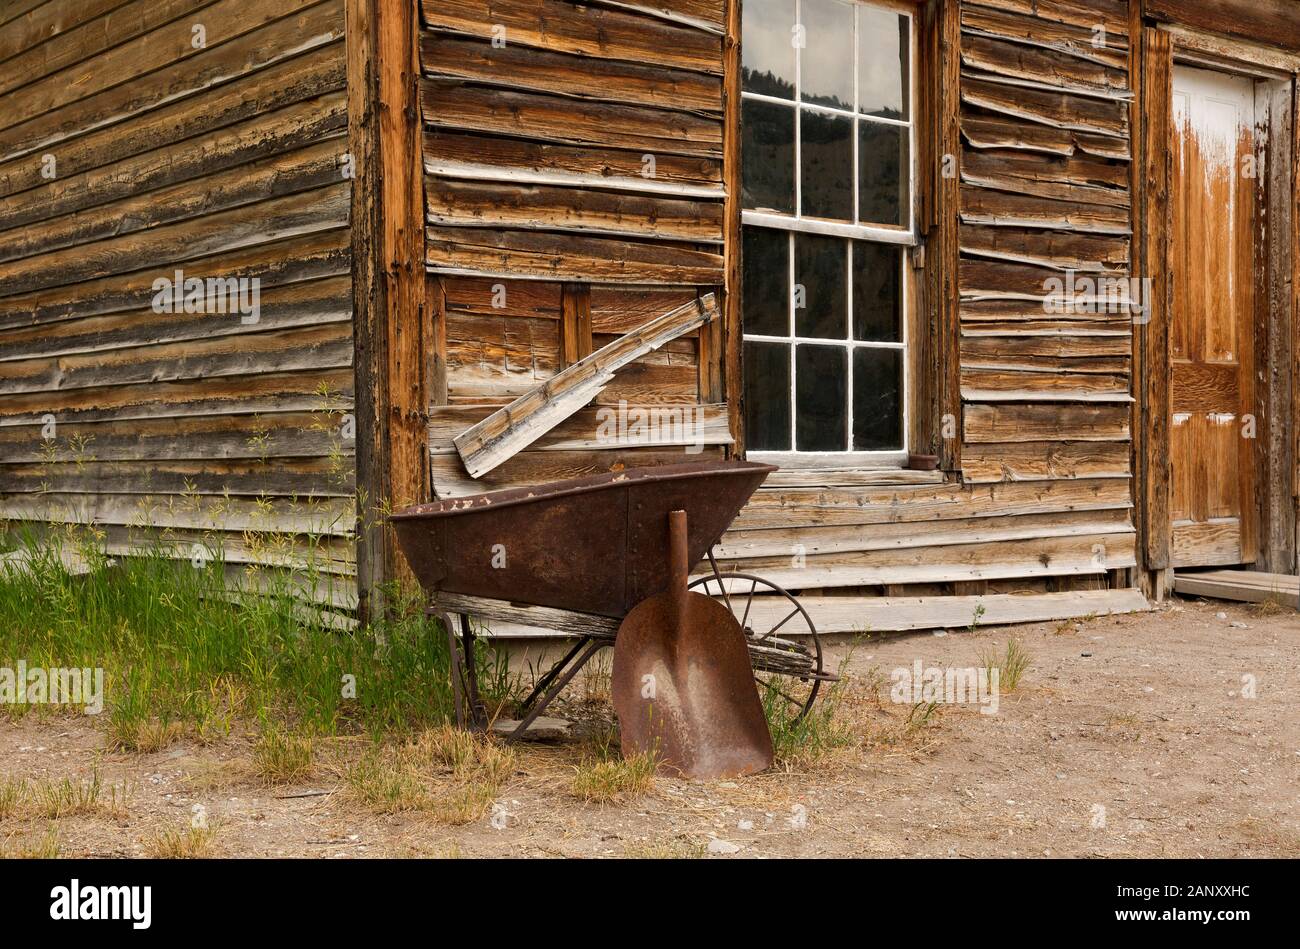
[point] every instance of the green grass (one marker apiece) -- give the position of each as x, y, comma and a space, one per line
180, 659
802, 741
1010, 664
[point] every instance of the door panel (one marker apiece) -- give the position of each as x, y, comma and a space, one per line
1212, 339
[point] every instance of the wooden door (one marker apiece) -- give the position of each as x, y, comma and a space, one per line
1212, 333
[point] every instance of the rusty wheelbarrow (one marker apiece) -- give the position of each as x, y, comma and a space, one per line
581, 555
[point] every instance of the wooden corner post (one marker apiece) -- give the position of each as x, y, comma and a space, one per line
1153, 227
391, 318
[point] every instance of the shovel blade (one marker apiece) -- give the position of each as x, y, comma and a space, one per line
683, 689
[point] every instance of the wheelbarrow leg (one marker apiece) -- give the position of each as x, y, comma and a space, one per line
551, 673
522, 727
453, 651
478, 714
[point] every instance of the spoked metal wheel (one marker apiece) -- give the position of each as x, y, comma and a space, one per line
784, 647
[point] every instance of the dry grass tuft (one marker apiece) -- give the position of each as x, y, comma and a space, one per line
192, 843
283, 757
45, 847
1010, 664
144, 736
616, 779
451, 774
55, 800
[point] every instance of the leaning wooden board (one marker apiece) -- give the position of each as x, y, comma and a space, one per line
513, 428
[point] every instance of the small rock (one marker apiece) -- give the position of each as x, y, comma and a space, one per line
745, 825
502, 818
718, 845
1086, 655
1221, 615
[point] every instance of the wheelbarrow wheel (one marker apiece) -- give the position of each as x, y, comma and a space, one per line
784, 647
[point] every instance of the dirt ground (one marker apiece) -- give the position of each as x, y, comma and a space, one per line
1170, 734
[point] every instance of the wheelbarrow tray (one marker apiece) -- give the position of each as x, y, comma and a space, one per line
595, 545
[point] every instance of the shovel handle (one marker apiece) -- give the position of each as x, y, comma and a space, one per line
678, 567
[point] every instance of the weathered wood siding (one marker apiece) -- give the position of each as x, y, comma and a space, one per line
143, 137
573, 186
533, 155
1041, 492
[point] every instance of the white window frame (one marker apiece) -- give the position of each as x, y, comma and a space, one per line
796, 223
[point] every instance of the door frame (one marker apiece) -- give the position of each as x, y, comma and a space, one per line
1277, 293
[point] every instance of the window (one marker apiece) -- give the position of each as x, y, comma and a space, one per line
827, 139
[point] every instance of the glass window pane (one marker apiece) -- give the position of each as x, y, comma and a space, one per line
883, 169
767, 53
877, 399
877, 299
826, 75
827, 158
820, 271
883, 63
767, 396
768, 148
821, 374
766, 301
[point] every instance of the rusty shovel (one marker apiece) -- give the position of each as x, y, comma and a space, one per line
683, 687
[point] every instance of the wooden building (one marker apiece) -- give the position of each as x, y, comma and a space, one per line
1051, 243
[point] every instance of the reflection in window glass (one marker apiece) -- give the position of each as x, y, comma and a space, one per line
877, 399
822, 388
768, 54
767, 282
767, 396
877, 301
827, 160
827, 74
883, 63
883, 172
827, 125
819, 272
767, 132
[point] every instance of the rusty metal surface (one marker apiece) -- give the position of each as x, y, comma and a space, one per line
594, 545
681, 681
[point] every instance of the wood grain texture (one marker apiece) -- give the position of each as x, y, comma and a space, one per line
224, 162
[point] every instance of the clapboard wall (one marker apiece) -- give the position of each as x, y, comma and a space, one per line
532, 153
143, 137
573, 158
1038, 493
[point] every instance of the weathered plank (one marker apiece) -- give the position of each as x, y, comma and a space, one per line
584, 31
610, 213
1044, 461
1004, 423
568, 121
535, 255
532, 70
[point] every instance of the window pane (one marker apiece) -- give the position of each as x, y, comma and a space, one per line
827, 71
883, 63
767, 396
768, 144
877, 300
820, 270
877, 399
822, 397
767, 64
827, 157
883, 168
766, 262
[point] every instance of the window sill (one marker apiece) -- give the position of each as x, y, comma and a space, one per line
842, 476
